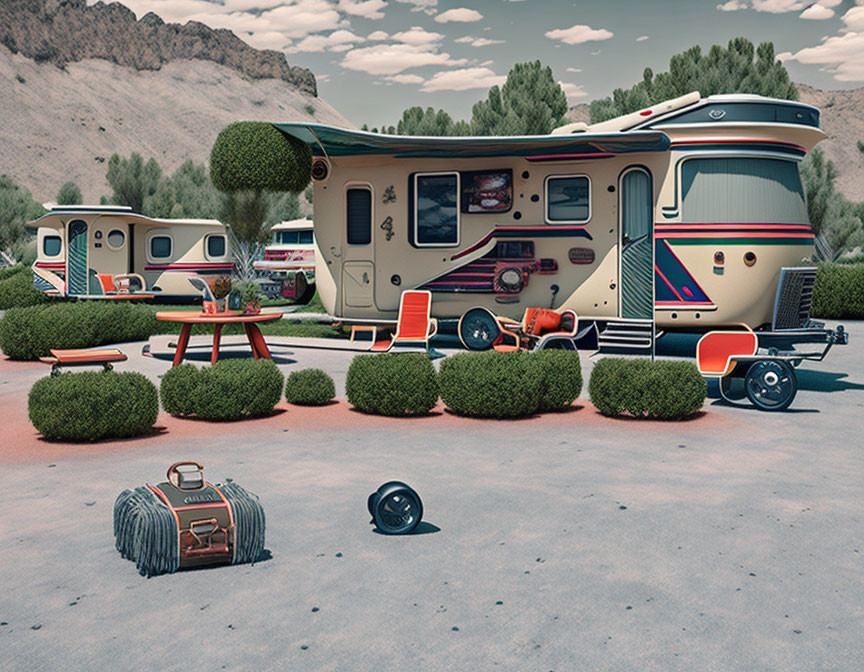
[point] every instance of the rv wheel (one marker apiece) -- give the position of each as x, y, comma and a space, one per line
770, 384
395, 508
478, 329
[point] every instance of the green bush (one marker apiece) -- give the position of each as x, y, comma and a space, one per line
644, 389
839, 292
492, 384
232, 389
561, 378
17, 290
12, 270
309, 387
91, 406
29, 333
393, 384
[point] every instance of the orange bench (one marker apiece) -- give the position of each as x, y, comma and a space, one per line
61, 358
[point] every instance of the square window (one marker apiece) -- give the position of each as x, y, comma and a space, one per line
436, 209
568, 199
160, 247
51, 246
216, 246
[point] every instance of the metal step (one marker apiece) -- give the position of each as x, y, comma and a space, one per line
629, 335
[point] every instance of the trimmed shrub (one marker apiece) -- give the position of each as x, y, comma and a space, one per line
11, 270
395, 384
91, 406
17, 290
29, 333
232, 389
560, 373
492, 384
309, 387
663, 390
839, 292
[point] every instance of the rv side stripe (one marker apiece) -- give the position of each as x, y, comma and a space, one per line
740, 240
545, 231
744, 143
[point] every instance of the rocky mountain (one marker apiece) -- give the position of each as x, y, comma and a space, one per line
68, 31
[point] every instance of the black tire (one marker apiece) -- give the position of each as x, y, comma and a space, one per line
478, 329
731, 388
770, 384
396, 508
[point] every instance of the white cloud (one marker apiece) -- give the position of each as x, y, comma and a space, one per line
417, 36
377, 36
368, 9
811, 10
817, 12
732, 6
463, 80
391, 59
573, 91
487, 63
477, 41
841, 54
459, 15
596, 53
778, 6
339, 48
579, 34
405, 79
334, 41
269, 39
641, 38
425, 6
574, 69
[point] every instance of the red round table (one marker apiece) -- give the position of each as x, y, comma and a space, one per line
249, 322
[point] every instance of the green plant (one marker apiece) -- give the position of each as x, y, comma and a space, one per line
247, 292
91, 406
560, 373
492, 384
12, 270
178, 388
133, 180
17, 207
69, 194
643, 389
839, 292
17, 290
861, 146
20, 79
310, 110
394, 384
309, 387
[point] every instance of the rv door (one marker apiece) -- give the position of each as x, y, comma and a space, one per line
109, 253
358, 267
636, 208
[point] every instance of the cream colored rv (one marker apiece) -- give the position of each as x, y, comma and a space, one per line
106, 252
690, 213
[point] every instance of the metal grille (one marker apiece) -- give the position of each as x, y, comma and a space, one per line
794, 295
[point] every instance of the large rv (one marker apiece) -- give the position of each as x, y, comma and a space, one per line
111, 252
288, 267
685, 213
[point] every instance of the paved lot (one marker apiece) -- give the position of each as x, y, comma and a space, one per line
568, 542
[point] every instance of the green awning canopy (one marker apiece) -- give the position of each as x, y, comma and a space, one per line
334, 141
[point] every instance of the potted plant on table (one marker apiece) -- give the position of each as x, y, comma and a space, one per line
221, 288
248, 297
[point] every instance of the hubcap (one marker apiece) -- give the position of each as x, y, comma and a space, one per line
770, 384
397, 512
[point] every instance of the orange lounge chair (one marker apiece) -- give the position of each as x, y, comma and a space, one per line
61, 358
415, 325
540, 328
718, 352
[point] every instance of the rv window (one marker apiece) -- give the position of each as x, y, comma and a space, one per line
436, 209
51, 246
160, 247
287, 238
568, 199
216, 246
116, 238
358, 216
737, 190
305, 238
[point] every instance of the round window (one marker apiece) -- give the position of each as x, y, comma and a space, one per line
116, 238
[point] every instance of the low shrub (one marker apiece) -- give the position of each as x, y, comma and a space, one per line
561, 378
309, 387
29, 333
839, 292
91, 406
492, 384
17, 290
232, 389
9, 271
394, 384
644, 389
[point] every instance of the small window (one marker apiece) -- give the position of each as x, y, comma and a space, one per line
568, 199
160, 247
288, 238
116, 238
436, 209
305, 237
359, 216
216, 246
51, 246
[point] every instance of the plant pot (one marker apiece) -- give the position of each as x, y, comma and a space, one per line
253, 308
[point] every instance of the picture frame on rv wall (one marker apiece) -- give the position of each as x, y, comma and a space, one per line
487, 191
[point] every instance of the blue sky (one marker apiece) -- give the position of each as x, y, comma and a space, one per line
374, 58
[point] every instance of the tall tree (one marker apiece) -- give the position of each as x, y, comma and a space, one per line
187, 193
69, 194
17, 207
417, 121
132, 180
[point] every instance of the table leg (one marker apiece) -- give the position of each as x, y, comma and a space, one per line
217, 332
247, 327
182, 342
258, 339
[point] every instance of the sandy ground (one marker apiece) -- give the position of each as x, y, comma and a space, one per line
733, 541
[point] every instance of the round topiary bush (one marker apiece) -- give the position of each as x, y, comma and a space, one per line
394, 384
17, 290
644, 389
491, 384
91, 406
178, 388
309, 387
560, 373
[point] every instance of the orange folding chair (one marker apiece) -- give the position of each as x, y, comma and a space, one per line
415, 325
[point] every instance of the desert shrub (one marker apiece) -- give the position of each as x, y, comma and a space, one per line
91, 406
12, 270
491, 384
309, 387
17, 290
29, 333
839, 292
392, 384
644, 389
178, 388
560, 374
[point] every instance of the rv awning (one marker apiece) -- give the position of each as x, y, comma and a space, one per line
334, 141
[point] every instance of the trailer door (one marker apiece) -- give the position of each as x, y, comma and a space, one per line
77, 262
358, 268
636, 208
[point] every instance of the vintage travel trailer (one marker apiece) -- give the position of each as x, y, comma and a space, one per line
686, 213
113, 253
288, 267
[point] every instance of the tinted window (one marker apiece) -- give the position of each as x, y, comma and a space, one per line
742, 190
305, 237
160, 247
437, 209
568, 199
215, 246
51, 246
359, 216
116, 238
288, 237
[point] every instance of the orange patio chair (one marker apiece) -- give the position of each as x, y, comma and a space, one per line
415, 325
540, 328
717, 352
